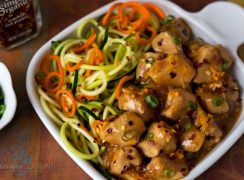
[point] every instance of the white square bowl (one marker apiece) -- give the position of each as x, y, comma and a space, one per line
219, 22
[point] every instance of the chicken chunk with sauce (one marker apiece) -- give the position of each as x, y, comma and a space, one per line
192, 46
133, 99
225, 57
159, 138
145, 63
164, 44
207, 54
214, 103
207, 74
192, 140
163, 168
178, 103
232, 93
207, 125
124, 158
175, 70
124, 130
213, 132
179, 28
211, 62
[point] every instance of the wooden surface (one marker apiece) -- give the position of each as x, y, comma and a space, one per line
27, 151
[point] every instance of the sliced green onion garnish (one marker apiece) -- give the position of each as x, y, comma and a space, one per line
75, 82
105, 38
128, 135
149, 135
169, 19
189, 155
218, 100
187, 125
176, 40
151, 101
54, 45
88, 111
225, 65
191, 105
169, 173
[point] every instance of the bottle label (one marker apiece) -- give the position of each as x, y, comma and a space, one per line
17, 21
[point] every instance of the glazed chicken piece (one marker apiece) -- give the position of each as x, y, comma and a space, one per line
164, 43
192, 140
193, 45
225, 56
211, 62
207, 125
232, 93
133, 99
209, 55
175, 70
162, 168
125, 130
207, 74
178, 103
122, 162
214, 103
145, 63
159, 138
179, 28
123, 159
213, 133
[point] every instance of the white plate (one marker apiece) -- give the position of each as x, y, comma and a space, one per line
9, 96
219, 22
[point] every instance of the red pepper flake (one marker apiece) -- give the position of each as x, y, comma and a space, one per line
172, 75
194, 114
94, 109
130, 123
109, 130
160, 42
192, 137
151, 142
183, 169
129, 157
130, 150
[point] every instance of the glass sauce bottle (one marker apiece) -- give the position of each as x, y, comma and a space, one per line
20, 21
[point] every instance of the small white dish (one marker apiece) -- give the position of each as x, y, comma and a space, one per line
9, 96
219, 22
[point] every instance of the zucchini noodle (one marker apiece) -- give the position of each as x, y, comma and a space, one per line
105, 61
47, 98
100, 89
49, 112
94, 148
66, 47
107, 110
